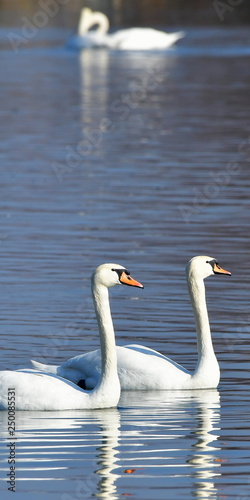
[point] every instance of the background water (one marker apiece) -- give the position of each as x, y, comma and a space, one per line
140, 159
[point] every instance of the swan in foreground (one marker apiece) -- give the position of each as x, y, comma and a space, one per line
30, 390
125, 39
141, 368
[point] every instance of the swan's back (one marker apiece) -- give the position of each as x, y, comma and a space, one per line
139, 368
37, 391
143, 39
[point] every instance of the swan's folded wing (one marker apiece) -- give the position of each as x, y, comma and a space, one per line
38, 391
139, 368
142, 368
85, 367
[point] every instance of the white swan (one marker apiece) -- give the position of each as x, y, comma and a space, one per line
27, 390
141, 368
126, 39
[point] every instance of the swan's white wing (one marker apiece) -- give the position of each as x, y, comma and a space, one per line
143, 39
127, 39
85, 367
139, 368
38, 391
33, 390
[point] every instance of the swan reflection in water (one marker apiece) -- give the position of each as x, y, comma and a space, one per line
103, 113
176, 409
86, 452
76, 448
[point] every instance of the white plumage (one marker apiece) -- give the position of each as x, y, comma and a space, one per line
141, 368
125, 39
40, 391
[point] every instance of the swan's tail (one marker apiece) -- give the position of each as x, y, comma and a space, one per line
178, 35
44, 368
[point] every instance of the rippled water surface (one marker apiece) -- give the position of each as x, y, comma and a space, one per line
140, 159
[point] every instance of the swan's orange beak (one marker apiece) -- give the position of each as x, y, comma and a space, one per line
126, 279
218, 270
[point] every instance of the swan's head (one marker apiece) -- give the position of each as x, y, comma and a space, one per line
203, 266
88, 19
113, 274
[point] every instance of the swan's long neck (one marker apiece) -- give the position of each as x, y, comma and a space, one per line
106, 331
207, 372
197, 294
89, 18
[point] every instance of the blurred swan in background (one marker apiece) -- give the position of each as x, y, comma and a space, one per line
125, 39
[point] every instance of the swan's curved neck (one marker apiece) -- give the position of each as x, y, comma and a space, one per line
197, 294
89, 19
106, 331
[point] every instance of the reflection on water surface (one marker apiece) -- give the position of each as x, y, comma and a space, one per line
143, 146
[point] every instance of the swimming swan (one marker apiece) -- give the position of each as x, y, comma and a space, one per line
28, 390
125, 39
141, 368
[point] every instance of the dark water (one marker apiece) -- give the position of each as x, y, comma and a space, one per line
140, 159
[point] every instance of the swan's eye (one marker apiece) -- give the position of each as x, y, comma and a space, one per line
121, 271
213, 263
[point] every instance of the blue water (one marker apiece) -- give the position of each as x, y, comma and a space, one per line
140, 159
